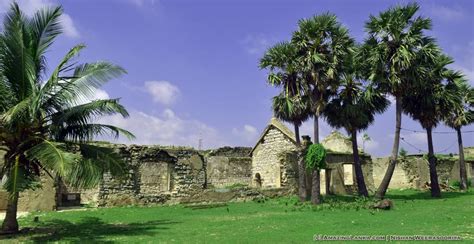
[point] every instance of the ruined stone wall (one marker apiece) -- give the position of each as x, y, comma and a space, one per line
343, 182
413, 172
156, 175
229, 167
335, 164
266, 160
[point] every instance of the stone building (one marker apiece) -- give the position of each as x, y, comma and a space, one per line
274, 161
268, 170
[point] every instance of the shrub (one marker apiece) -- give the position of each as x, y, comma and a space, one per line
457, 183
316, 157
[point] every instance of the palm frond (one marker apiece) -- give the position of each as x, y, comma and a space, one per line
18, 64
88, 132
53, 156
86, 113
45, 26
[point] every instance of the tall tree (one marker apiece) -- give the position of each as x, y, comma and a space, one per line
291, 104
429, 102
322, 45
458, 116
395, 42
354, 109
46, 122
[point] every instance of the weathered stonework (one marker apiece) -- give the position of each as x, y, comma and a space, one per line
267, 170
412, 171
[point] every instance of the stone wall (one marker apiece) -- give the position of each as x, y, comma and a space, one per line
412, 171
155, 175
335, 162
228, 167
266, 158
343, 181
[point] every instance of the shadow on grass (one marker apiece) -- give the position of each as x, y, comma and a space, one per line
89, 229
424, 195
409, 194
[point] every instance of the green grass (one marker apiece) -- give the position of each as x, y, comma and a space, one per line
270, 221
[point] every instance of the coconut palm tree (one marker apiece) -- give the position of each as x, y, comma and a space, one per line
458, 116
354, 109
322, 44
429, 102
290, 104
395, 41
46, 123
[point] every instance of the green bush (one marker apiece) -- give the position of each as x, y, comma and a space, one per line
316, 157
457, 183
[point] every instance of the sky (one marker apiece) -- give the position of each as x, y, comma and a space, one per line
192, 65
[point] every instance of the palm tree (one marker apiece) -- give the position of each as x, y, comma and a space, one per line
395, 42
292, 109
354, 109
46, 122
429, 104
458, 116
322, 44
289, 105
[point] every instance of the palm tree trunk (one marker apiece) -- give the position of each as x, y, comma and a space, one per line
380, 194
315, 190
361, 187
10, 223
435, 190
301, 166
327, 174
316, 129
310, 175
462, 164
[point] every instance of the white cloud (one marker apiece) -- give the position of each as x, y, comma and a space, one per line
68, 26
257, 43
166, 129
248, 133
29, 7
447, 13
162, 91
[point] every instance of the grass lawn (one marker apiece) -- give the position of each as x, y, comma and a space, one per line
277, 221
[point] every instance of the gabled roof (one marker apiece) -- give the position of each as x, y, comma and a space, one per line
275, 123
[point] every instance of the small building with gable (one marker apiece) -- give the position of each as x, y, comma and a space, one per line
274, 161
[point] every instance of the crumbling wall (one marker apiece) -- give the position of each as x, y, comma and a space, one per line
413, 172
228, 166
156, 175
335, 162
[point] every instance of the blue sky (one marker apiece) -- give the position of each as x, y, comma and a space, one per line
193, 65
